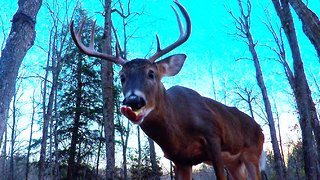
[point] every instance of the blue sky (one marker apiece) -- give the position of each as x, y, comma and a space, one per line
211, 50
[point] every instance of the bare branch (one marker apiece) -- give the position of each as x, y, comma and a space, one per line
243, 58
280, 50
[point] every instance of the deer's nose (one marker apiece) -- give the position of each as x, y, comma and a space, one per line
135, 102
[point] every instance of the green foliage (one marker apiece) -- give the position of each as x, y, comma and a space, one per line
144, 170
270, 166
296, 163
80, 80
84, 172
90, 108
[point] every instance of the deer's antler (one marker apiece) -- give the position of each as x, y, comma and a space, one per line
76, 36
183, 35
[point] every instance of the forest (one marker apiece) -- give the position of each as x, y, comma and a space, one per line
60, 112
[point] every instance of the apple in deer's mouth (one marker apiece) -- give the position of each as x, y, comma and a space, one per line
134, 116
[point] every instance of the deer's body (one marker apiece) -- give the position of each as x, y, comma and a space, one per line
189, 128
185, 137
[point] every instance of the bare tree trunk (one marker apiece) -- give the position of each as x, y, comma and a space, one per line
311, 27
3, 156
243, 25
98, 153
274, 140
280, 137
56, 172
56, 46
55, 66
301, 91
297, 168
310, 23
71, 174
34, 106
139, 152
47, 115
124, 133
124, 153
108, 94
13, 136
20, 40
50, 162
153, 158
51, 138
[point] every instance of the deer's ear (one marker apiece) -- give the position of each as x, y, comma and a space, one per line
171, 65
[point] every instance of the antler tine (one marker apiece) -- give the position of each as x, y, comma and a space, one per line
179, 21
158, 43
76, 36
118, 50
184, 35
91, 45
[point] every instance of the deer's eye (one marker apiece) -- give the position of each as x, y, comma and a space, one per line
151, 74
122, 78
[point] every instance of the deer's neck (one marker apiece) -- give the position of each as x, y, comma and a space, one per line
158, 124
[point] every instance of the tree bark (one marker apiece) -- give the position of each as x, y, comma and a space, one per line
13, 136
48, 108
274, 140
310, 23
19, 41
244, 28
139, 153
56, 46
3, 156
56, 171
30, 137
47, 115
124, 133
311, 27
98, 153
153, 158
108, 94
301, 91
71, 174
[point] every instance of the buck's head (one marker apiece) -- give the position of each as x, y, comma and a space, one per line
141, 84
141, 78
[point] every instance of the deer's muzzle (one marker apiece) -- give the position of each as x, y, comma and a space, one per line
135, 102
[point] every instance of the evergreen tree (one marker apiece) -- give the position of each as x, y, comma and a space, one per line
80, 109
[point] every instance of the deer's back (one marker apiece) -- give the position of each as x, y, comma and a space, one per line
207, 116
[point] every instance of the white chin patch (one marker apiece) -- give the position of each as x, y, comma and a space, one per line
143, 112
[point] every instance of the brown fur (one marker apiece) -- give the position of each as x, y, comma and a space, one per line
192, 129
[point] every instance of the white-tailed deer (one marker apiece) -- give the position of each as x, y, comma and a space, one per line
189, 128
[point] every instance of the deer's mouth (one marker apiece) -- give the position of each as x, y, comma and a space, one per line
135, 116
